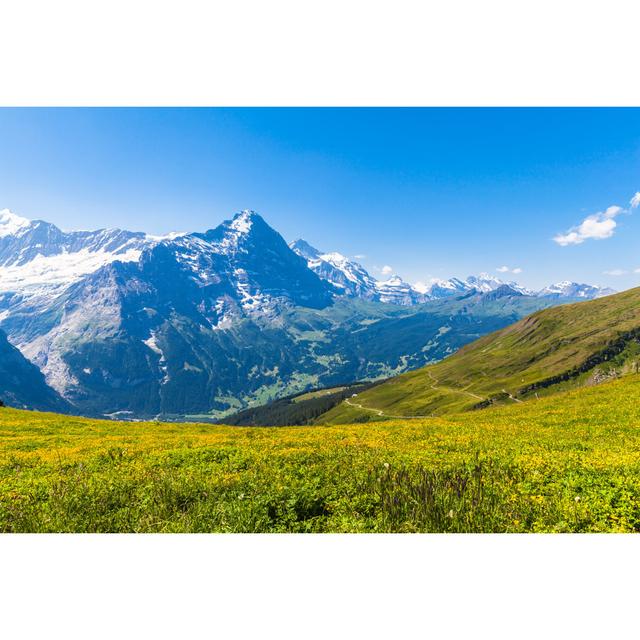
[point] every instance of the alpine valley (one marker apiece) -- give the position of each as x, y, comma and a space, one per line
201, 325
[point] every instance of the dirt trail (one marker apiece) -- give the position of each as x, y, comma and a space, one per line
451, 389
435, 381
382, 414
512, 397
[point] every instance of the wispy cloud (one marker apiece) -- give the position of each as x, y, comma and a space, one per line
386, 270
360, 256
505, 269
635, 201
615, 272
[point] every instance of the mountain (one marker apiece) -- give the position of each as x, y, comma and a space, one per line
567, 289
130, 325
504, 290
41, 253
551, 350
22, 385
444, 288
352, 279
397, 291
484, 283
195, 319
347, 276
256, 263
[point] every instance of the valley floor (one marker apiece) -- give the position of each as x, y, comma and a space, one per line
565, 463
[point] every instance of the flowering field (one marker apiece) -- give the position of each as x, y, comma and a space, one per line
570, 462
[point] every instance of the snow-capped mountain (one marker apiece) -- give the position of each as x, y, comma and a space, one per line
254, 261
36, 255
349, 277
444, 288
352, 279
568, 289
129, 324
396, 291
129, 335
485, 282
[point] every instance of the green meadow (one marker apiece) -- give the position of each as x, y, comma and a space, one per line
564, 463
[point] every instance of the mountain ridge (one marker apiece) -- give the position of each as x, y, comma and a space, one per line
338, 269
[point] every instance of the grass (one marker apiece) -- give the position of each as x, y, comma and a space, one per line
549, 351
318, 394
565, 463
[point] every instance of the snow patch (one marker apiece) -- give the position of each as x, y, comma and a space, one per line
62, 269
152, 343
242, 222
172, 235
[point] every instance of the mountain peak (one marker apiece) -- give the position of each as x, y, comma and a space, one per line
304, 249
239, 232
244, 220
11, 223
395, 290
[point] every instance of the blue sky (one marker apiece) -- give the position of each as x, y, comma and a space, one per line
427, 192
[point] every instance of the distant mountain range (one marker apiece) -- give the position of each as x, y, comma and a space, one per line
130, 325
352, 279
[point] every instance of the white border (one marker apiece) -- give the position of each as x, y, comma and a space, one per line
329, 53
335, 52
302, 586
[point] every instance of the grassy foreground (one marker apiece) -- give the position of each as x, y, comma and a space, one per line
565, 463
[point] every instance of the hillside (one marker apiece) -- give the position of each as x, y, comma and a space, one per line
559, 464
299, 409
546, 352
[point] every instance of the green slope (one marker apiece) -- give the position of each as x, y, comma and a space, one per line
300, 409
549, 351
569, 462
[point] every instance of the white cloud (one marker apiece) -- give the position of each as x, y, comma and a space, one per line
635, 201
386, 270
636, 270
598, 226
505, 269
359, 256
421, 287
615, 272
